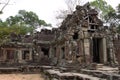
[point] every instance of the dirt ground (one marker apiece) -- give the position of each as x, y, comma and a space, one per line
21, 77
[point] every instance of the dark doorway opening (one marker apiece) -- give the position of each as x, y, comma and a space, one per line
45, 51
54, 52
108, 55
63, 52
10, 54
75, 36
96, 50
25, 55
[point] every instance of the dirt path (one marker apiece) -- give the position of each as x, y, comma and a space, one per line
20, 77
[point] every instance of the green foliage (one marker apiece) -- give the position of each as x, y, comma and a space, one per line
118, 8
25, 21
118, 17
22, 23
108, 14
118, 12
27, 18
5, 31
105, 9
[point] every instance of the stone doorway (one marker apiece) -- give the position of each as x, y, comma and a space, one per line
26, 55
96, 50
45, 51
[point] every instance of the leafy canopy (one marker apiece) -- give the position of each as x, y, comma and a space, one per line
106, 10
22, 23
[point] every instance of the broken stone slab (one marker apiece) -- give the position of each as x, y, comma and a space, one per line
86, 77
96, 66
43, 68
63, 76
102, 74
69, 75
112, 76
109, 69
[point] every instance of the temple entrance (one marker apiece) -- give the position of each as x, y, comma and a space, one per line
25, 55
10, 54
45, 51
63, 52
96, 50
75, 36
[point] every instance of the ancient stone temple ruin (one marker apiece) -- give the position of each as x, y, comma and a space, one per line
16, 50
81, 42
83, 38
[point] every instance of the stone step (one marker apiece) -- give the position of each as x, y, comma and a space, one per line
102, 74
96, 66
56, 74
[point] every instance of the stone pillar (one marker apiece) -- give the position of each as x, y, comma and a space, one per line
74, 48
67, 49
110, 46
51, 54
112, 54
80, 51
86, 48
15, 52
58, 52
91, 49
104, 50
19, 56
69, 52
30, 54
4, 55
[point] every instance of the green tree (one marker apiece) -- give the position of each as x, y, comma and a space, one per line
118, 17
22, 23
108, 14
29, 19
5, 31
107, 11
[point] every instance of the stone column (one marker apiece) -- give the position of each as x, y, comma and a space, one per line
67, 48
15, 55
74, 48
57, 51
30, 54
86, 50
112, 54
69, 51
19, 56
60, 53
91, 49
4, 55
110, 46
51, 54
104, 50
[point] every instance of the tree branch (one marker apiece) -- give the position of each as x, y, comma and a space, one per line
4, 6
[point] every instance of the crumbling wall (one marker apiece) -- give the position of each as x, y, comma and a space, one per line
81, 32
117, 49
